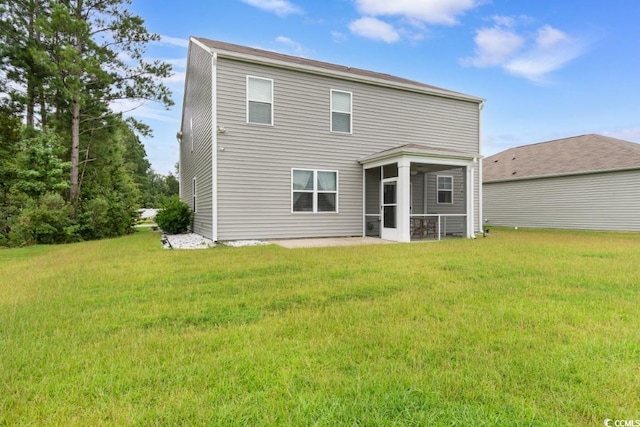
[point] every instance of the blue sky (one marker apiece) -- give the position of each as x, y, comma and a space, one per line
548, 69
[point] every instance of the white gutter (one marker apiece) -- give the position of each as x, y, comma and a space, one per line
480, 193
563, 174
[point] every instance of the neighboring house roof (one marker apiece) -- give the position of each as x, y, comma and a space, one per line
569, 156
287, 61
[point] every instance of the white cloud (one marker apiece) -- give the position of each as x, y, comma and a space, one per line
412, 16
173, 41
548, 37
178, 77
443, 12
374, 29
177, 63
295, 47
144, 110
552, 50
532, 56
279, 7
338, 37
504, 21
494, 46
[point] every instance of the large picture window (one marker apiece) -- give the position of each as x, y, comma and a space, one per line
340, 111
259, 100
314, 190
445, 189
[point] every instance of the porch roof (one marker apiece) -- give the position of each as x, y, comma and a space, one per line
419, 150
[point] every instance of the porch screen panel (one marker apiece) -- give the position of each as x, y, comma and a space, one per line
390, 171
389, 207
390, 217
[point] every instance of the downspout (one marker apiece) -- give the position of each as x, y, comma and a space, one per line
364, 202
480, 197
214, 147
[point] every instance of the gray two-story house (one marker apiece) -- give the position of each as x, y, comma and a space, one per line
275, 146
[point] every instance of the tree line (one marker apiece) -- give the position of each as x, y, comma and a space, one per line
70, 167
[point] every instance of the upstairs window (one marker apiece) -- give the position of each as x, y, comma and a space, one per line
314, 191
259, 101
340, 111
445, 189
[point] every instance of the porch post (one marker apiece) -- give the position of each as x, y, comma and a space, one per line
364, 202
404, 199
470, 201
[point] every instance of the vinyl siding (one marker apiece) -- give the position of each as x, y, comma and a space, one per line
372, 202
603, 201
254, 170
459, 205
450, 225
417, 194
197, 126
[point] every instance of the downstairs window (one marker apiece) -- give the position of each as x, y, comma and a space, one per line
314, 191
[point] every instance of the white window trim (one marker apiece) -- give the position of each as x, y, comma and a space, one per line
350, 112
248, 100
315, 191
194, 196
438, 190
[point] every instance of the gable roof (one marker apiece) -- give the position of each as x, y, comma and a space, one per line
419, 150
569, 156
250, 54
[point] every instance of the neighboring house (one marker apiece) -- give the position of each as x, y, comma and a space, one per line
588, 182
276, 146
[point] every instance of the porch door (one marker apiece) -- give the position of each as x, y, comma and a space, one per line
389, 209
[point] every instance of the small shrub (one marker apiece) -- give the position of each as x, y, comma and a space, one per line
175, 217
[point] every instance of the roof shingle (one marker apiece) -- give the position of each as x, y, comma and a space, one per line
575, 155
328, 67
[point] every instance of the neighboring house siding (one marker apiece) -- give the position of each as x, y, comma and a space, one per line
599, 201
197, 133
254, 170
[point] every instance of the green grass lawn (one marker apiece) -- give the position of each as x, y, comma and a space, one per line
522, 328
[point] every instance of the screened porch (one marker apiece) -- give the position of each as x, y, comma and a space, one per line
411, 198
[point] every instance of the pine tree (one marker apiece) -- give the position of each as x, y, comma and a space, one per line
92, 39
64, 63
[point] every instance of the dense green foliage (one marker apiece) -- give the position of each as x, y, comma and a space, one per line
175, 216
523, 328
158, 189
70, 168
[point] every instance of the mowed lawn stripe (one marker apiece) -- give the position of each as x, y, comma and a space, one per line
521, 328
